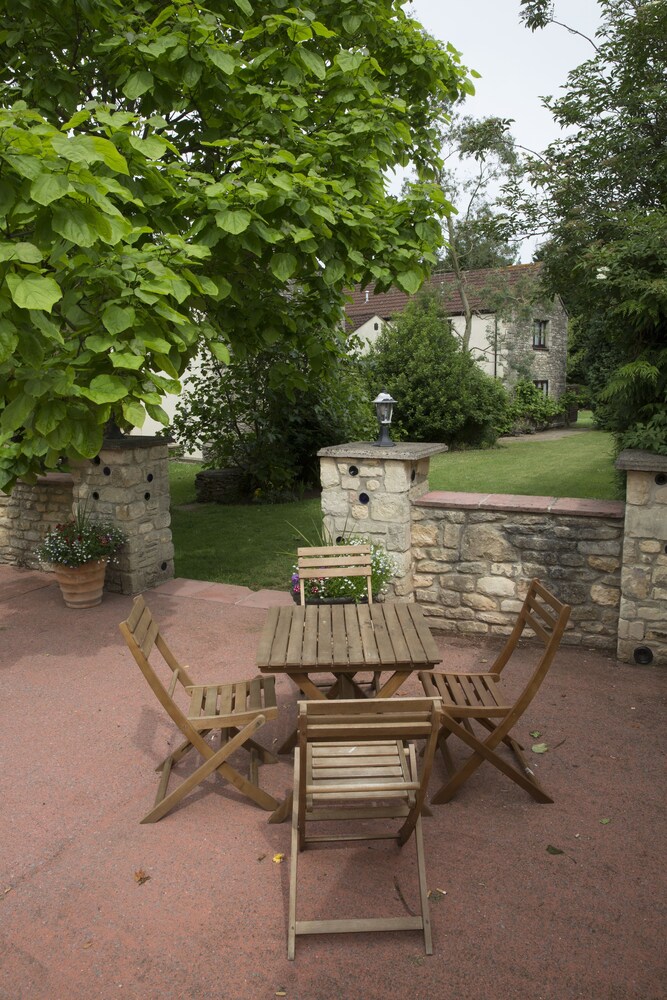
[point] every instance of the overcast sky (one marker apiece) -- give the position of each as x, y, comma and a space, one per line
517, 66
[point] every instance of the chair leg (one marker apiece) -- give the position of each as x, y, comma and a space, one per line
265, 756
294, 861
486, 751
215, 762
423, 892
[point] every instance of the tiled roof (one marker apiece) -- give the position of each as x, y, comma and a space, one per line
366, 303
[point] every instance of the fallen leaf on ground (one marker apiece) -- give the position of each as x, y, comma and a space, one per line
605, 821
141, 876
281, 993
539, 748
535, 733
435, 895
554, 850
261, 857
87, 944
278, 859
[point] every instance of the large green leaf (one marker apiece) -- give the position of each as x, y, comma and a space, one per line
134, 412
152, 146
313, 62
220, 351
16, 413
410, 281
105, 389
124, 359
223, 60
49, 414
27, 253
283, 265
334, 271
118, 318
76, 225
8, 340
34, 291
233, 220
49, 187
138, 84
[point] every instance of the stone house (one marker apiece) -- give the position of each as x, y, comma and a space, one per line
517, 331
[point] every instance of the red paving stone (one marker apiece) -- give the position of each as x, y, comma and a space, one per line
82, 734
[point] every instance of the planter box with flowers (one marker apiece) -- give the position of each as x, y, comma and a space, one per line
79, 551
348, 590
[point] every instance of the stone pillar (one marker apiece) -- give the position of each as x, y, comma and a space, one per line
128, 483
368, 491
642, 624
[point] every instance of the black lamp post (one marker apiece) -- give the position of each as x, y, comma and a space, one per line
384, 408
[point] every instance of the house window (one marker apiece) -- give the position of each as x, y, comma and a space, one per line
376, 326
540, 334
542, 384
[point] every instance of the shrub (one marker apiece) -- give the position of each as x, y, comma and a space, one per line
269, 414
441, 393
530, 409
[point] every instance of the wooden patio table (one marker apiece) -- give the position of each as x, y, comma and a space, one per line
345, 640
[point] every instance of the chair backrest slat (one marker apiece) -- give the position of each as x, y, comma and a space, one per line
332, 561
367, 722
142, 634
546, 616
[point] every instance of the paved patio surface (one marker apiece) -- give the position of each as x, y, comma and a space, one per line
95, 905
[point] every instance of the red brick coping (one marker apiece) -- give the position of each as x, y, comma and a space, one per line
523, 505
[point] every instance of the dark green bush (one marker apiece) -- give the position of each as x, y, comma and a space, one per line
441, 393
530, 410
269, 414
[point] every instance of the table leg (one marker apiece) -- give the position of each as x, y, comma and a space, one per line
280, 814
393, 683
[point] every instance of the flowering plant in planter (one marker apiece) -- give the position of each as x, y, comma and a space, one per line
80, 540
343, 588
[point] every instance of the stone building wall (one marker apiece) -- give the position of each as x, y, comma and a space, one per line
474, 555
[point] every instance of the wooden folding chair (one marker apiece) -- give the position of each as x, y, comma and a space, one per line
354, 763
478, 696
327, 561
237, 710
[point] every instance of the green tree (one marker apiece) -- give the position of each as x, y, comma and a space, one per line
247, 416
178, 172
602, 192
442, 393
478, 156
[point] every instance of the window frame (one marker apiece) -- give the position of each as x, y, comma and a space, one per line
540, 334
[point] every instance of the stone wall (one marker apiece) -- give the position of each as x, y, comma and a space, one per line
473, 557
128, 484
642, 626
29, 513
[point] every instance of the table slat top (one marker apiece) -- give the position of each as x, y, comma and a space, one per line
346, 638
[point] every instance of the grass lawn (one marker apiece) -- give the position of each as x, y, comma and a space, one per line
255, 545
251, 545
580, 465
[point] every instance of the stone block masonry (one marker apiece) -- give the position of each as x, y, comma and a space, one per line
474, 555
128, 484
369, 491
642, 626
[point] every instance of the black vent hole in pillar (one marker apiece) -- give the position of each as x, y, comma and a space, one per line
364, 498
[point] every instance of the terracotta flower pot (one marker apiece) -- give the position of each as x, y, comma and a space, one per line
82, 586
